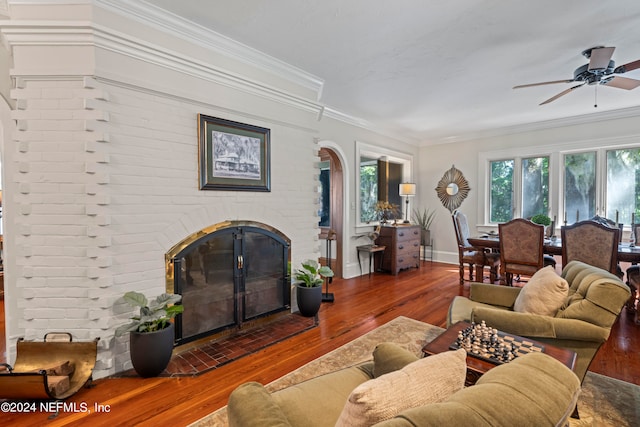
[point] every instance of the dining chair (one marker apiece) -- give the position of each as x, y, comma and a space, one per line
633, 276
475, 258
521, 248
617, 226
592, 243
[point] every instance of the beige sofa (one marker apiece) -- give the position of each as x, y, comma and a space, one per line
533, 390
582, 324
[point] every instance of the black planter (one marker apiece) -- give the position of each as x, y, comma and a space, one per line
309, 300
151, 351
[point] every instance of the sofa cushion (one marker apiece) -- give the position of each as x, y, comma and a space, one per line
390, 357
318, 401
596, 296
429, 380
250, 400
544, 294
533, 390
461, 309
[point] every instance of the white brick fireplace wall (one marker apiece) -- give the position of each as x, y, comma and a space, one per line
101, 174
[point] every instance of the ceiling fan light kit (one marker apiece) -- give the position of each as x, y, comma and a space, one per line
601, 70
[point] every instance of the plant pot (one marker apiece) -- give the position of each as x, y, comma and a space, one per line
309, 300
151, 351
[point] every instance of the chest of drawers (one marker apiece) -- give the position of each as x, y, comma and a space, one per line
402, 244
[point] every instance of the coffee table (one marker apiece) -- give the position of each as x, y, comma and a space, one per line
476, 366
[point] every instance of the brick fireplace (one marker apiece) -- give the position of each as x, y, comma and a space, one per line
228, 274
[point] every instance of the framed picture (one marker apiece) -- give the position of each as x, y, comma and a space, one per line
233, 156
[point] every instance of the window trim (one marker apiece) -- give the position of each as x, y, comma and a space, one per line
374, 151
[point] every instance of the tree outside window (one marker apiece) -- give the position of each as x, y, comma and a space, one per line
579, 186
501, 191
535, 186
368, 191
623, 189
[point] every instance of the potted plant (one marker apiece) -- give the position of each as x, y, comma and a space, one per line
544, 220
151, 333
424, 219
309, 279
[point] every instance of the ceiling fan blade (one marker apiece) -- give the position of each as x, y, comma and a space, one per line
543, 83
622, 83
627, 67
600, 58
563, 93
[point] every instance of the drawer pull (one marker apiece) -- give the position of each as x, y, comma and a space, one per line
400, 247
401, 233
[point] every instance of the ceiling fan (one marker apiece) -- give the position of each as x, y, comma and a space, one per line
600, 70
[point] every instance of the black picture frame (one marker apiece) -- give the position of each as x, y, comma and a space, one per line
233, 156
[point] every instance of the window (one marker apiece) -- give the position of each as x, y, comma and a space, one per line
531, 190
579, 186
324, 212
572, 182
368, 189
501, 191
535, 186
623, 189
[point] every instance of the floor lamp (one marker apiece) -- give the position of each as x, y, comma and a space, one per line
407, 189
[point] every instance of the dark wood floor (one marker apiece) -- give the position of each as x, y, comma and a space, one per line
361, 305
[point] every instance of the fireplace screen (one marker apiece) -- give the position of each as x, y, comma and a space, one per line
228, 275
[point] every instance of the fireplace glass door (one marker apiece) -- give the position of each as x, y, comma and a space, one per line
229, 277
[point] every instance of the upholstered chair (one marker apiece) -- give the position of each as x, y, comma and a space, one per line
583, 322
521, 248
592, 243
475, 258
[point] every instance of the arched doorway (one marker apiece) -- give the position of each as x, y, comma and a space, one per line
332, 209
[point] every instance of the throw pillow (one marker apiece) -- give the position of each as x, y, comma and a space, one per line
429, 380
389, 357
544, 294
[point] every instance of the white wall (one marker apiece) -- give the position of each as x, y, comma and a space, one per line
101, 170
344, 137
596, 131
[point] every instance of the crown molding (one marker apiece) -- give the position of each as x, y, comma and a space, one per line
178, 26
76, 33
89, 33
364, 124
600, 116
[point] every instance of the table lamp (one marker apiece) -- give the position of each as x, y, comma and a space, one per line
407, 189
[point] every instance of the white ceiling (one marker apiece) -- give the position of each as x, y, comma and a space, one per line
435, 71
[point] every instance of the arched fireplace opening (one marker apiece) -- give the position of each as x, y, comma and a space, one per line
228, 274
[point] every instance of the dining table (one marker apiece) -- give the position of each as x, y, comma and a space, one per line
553, 246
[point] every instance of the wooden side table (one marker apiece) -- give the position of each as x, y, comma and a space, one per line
371, 250
403, 247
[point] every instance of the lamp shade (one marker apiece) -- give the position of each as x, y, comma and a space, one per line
407, 189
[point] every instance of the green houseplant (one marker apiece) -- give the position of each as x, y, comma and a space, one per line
424, 219
544, 220
151, 332
541, 219
309, 279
